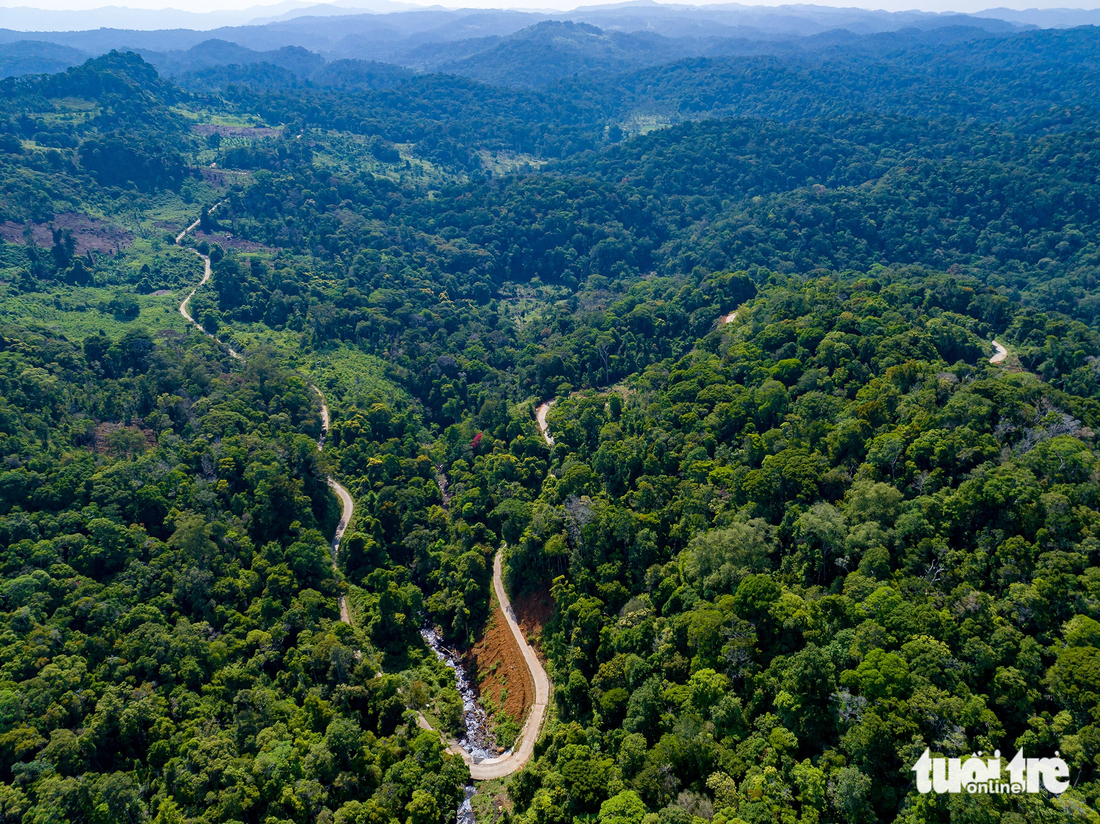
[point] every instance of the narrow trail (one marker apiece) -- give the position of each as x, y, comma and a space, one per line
999, 354
345, 497
233, 353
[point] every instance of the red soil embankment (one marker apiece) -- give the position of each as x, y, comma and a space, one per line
496, 663
534, 610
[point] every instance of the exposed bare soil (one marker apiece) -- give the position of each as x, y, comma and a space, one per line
260, 132
88, 233
228, 241
534, 610
496, 664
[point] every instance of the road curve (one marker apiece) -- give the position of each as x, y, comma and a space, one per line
346, 501
544, 426
1000, 353
514, 760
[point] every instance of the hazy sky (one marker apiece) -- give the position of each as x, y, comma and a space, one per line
368, 5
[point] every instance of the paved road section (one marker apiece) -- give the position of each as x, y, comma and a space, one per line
515, 759
999, 354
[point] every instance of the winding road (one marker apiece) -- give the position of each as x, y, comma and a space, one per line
346, 501
498, 767
205, 277
999, 354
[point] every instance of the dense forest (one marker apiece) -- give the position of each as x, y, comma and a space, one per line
795, 526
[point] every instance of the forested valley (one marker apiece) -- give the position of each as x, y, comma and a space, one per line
794, 523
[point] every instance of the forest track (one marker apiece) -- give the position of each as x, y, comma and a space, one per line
207, 271
346, 501
999, 354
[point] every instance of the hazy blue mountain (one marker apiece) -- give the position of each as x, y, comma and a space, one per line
552, 50
502, 47
1045, 18
268, 76
37, 57
294, 59
27, 18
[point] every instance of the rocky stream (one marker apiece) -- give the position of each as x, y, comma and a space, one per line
478, 740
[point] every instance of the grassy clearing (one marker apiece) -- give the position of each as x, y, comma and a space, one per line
644, 122
526, 303
75, 312
245, 336
350, 377
503, 163
345, 153
491, 802
218, 117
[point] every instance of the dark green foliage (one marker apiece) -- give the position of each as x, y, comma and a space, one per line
171, 640
116, 161
763, 582
787, 553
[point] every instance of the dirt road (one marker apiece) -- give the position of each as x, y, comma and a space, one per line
205, 277
999, 354
520, 754
540, 416
345, 499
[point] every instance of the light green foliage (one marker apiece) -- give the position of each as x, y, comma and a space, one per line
624, 808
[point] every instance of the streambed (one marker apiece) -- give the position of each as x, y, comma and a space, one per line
478, 740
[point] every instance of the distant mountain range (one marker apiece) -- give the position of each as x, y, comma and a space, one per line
27, 18
294, 41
